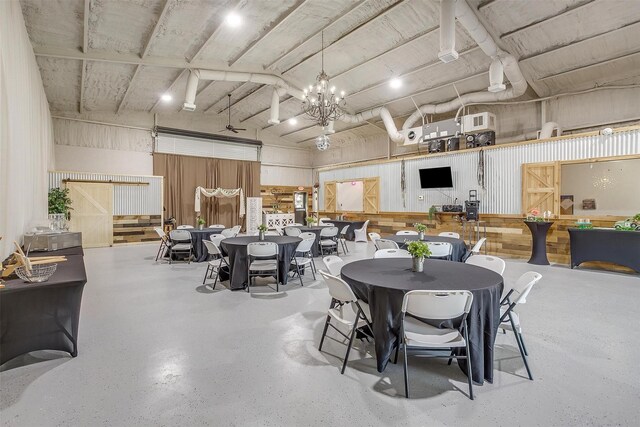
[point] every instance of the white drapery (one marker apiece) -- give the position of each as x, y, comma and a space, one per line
220, 192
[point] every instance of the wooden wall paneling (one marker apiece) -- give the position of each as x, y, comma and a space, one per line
540, 187
282, 196
371, 195
330, 196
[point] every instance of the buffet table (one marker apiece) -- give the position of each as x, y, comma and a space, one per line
605, 244
43, 316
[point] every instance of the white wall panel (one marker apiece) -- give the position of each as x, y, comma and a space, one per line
171, 144
281, 175
502, 172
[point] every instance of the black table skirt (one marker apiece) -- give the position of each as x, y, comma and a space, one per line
236, 249
200, 253
539, 230
382, 283
458, 250
43, 316
608, 245
315, 249
353, 225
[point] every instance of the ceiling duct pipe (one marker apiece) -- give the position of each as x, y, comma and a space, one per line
448, 51
496, 75
274, 116
381, 112
547, 130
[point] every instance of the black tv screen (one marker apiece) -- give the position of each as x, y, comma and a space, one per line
436, 178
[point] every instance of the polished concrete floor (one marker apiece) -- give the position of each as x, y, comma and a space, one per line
158, 348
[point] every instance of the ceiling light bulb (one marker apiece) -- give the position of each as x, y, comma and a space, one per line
333, 89
342, 94
166, 97
293, 121
395, 83
233, 19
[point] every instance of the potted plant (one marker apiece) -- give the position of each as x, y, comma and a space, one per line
420, 228
261, 230
200, 222
432, 212
311, 220
419, 251
59, 207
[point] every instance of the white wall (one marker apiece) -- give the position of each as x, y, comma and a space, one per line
350, 196
26, 136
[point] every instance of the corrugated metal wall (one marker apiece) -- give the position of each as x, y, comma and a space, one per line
127, 199
502, 172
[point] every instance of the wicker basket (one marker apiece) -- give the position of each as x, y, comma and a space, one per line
38, 274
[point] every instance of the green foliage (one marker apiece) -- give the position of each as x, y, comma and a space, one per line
636, 218
419, 249
201, 221
59, 201
432, 212
262, 228
421, 228
311, 220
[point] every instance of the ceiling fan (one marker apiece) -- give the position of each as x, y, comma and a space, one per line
229, 126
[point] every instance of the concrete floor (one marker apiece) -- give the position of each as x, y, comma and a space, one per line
158, 348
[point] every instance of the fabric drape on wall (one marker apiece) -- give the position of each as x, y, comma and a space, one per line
182, 174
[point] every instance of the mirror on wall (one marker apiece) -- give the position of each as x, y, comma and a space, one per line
599, 188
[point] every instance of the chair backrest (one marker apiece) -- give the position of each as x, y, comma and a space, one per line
228, 232
292, 231
329, 232
374, 236
490, 262
217, 226
183, 227
262, 249
439, 249
217, 238
306, 245
212, 248
476, 248
364, 227
180, 235
321, 221
307, 235
344, 230
386, 244
523, 286
236, 229
391, 253
160, 232
437, 305
279, 230
407, 233
333, 264
295, 224
328, 224
451, 234
271, 233
338, 288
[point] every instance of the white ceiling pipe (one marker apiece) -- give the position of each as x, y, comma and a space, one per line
476, 30
328, 129
448, 51
496, 74
274, 116
547, 130
192, 89
381, 112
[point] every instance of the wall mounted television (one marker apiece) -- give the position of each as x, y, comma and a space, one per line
436, 177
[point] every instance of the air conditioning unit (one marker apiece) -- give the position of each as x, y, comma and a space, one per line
473, 123
412, 136
440, 130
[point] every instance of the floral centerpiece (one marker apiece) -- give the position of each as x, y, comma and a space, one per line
420, 228
261, 230
419, 251
200, 221
534, 216
311, 220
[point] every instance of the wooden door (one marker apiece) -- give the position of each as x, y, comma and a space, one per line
371, 196
330, 196
92, 213
540, 187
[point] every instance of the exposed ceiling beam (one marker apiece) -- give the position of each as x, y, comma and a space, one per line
546, 19
82, 76
486, 3
169, 89
235, 102
123, 101
217, 101
85, 35
585, 67
299, 130
268, 30
303, 42
215, 32
156, 27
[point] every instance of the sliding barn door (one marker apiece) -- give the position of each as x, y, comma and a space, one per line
330, 196
540, 187
92, 213
371, 195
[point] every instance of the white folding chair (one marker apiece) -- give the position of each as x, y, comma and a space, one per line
329, 240
361, 233
440, 249
295, 224
386, 244
476, 248
345, 309
304, 248
333, 264
449, 234
307, 235
217, 238
489, 262
509, 319
271, 233
217, 226
407, 233
184, 227
180, 243
216, 264
391, 253
322, 221
343, 238
164, 241
268, 262
292, 231
236, 229
374, 237
418, 336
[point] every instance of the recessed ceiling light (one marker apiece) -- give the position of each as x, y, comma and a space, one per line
166, 97
293, 121
395, 83
233, 19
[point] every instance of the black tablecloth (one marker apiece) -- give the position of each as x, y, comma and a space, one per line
43, 316
539, 230
315, 249
200, 253
608, 245
236, 249
382, 283
458, 250
351, 235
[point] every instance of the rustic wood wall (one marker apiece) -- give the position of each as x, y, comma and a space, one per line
135, 228
283, 197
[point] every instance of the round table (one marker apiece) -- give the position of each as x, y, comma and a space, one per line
315, 249
458, 250
236, 249
200, 252
382, 284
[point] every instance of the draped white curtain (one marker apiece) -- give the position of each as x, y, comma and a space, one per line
26, 135
220, 192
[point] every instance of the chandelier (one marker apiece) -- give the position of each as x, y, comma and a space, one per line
321, 103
